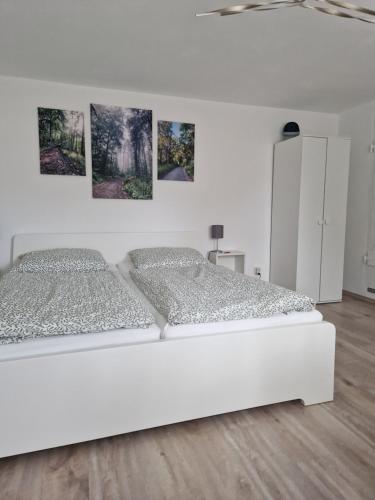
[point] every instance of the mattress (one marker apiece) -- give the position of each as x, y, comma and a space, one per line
39, 304
81, 342
44, 346
193, 330
204, 293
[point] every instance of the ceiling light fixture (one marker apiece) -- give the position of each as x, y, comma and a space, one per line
337, 8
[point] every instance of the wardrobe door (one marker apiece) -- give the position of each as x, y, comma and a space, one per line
285, 209
311, 216
335, 200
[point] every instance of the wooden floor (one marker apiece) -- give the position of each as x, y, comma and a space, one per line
284, 451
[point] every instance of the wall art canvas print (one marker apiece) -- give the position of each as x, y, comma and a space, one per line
61, 142
121, 150
176, 151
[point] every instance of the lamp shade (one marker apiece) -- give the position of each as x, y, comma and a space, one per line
217, 232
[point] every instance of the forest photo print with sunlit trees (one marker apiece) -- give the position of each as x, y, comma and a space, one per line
121, 150
176, 151
61, 142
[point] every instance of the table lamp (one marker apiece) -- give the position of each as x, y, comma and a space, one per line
217, 232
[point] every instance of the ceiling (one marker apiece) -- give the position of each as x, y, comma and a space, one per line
291, 58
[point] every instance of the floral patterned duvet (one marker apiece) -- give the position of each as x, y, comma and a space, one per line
205, 293
45, 304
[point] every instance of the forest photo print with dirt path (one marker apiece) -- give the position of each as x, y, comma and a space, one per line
176, 151
61, 142
121, 150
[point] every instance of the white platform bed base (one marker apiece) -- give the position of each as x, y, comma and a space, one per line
68, 398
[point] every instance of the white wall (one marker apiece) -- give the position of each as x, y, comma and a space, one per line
233, 169
358, 124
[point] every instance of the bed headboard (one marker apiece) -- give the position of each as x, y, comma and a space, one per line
113, 246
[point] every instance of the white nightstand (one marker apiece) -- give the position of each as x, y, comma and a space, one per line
233, 259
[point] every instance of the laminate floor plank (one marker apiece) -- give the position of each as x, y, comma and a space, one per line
279, 452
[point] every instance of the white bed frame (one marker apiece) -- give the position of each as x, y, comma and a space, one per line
60, 399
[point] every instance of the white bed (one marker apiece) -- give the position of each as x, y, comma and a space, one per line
56, 399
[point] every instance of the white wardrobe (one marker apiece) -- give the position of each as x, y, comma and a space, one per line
310, 188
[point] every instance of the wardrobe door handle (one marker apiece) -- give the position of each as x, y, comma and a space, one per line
320, 222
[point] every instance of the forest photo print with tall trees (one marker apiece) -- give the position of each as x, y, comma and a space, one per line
61, 142
176, 151
121, 151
